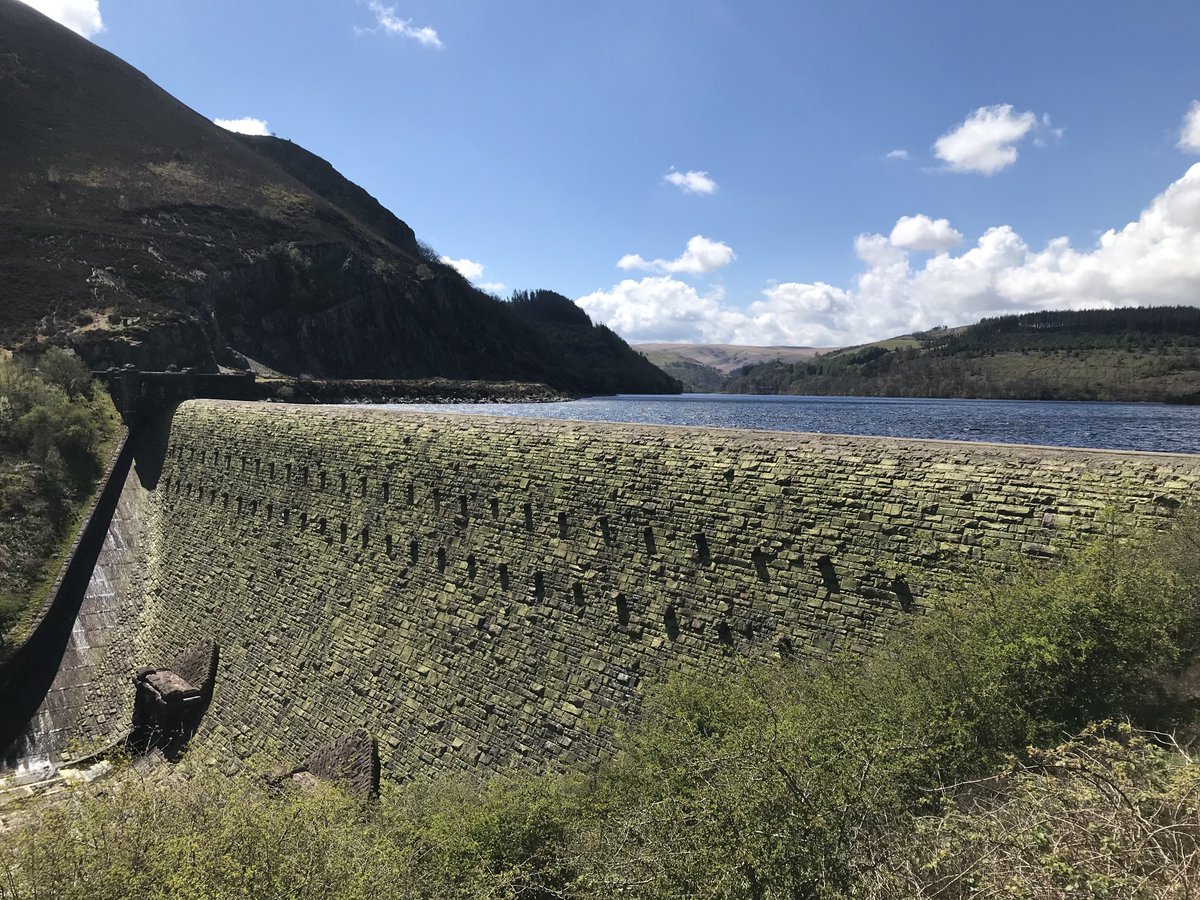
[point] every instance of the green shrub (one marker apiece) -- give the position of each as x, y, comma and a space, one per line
870, 774
55, 434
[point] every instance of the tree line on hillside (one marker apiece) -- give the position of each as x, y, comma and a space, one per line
610, 365
1147, 354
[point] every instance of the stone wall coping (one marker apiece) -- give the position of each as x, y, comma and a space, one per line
745, 436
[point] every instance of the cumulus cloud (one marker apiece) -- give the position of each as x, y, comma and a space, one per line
986, 140
389, 22
661, 309
473, 271
1152, 261
1189, 134
81, 16
467, 268
244, 125
898, 153
691, 182
923, 233
701, 257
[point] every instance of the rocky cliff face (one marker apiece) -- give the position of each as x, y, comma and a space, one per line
137, 231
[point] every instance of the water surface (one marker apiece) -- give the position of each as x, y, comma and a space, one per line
1119, 426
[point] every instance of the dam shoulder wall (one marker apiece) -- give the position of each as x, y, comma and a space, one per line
485, 592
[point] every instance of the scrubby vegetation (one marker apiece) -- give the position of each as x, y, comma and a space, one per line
939, 764
1116, 354
55, 435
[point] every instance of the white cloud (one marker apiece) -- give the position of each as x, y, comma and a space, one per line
473, 271
390, 23
701, 257
467, 268
245, 125
660, 308
898, 153
923, 233
986, 140
1189, 134
81, 16
1154, 260
691, 182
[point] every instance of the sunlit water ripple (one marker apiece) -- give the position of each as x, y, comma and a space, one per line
1123, 426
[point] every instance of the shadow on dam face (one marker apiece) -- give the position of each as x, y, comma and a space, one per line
32, 707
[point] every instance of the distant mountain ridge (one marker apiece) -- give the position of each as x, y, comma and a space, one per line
135, 230
705, 367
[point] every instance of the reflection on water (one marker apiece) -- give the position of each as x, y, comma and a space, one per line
1123, 426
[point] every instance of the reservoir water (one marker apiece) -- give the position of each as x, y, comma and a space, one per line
1118, 426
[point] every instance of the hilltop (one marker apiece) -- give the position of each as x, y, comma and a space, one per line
134, 230
705, 367
1135, 354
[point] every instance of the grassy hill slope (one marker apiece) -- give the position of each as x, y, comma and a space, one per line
1123, 354
135, 230
705, 367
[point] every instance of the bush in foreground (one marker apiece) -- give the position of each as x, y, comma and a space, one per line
55, 433
846, 777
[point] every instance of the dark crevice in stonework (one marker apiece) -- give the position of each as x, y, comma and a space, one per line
562, 525
671, 623
503, 577
651, 544
829, 576
539, 587
760, 558
527, 509
605, 531
724, 634
622, 607
702, 554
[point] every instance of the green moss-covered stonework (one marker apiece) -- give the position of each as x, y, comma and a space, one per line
483, 592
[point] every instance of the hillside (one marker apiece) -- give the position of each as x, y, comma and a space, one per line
135, 231
705, 367
1137, 354
614, 364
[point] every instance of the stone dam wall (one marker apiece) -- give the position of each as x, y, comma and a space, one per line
483, 592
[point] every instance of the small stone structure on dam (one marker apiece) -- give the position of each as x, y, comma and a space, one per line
481, 592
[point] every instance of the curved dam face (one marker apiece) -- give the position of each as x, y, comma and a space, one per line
485, 592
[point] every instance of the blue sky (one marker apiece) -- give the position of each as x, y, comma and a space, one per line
731, 170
